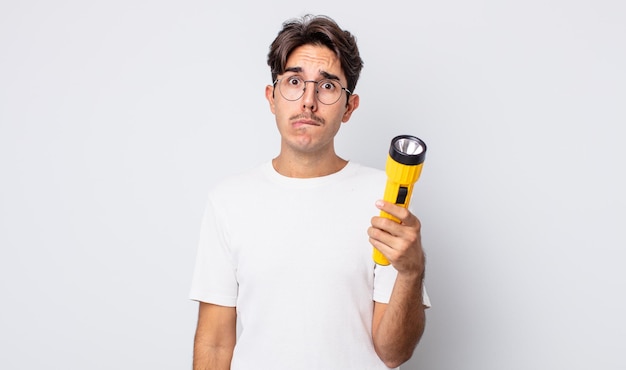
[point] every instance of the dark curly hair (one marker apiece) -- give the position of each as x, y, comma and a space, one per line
316, 30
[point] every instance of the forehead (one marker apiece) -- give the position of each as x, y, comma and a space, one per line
314, 60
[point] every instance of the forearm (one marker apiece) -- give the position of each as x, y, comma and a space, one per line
215, 337
207, 357
402, 322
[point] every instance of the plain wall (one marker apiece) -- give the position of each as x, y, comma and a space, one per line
117, 116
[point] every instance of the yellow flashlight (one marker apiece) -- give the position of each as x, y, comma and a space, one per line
403, 168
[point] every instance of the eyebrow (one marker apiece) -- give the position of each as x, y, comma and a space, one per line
326, 75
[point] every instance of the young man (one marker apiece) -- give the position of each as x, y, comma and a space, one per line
287, 247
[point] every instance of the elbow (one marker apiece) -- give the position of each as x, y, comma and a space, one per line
395, 359
395, 362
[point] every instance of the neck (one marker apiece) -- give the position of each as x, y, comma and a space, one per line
308, 167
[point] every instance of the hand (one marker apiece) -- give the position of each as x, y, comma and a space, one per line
399, 242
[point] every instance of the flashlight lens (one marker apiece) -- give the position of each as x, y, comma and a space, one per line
408, 146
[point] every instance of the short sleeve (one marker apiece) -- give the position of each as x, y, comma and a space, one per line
384, 279
214, 278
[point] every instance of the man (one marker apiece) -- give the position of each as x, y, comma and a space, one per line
286, 248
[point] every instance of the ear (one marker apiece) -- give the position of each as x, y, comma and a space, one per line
353, 104
269, 95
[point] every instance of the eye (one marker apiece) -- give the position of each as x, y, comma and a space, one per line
294, 81
327, 85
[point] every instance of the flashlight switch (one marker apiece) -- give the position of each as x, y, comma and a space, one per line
402, 193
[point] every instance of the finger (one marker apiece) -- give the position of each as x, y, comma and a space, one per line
388, 226
380, 236
377, 240
399, 212
394, 234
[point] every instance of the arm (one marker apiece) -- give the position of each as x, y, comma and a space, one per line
398, 326
215, 337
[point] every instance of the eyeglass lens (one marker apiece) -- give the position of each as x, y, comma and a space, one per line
292, 88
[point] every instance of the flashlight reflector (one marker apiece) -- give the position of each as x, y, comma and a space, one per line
403, 168
408, 146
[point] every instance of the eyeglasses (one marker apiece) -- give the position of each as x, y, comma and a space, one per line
328, 91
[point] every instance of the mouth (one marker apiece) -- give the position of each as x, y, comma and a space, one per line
307, 120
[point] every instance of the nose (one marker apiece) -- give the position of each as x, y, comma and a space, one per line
309, 100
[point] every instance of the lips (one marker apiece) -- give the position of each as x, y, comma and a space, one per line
301, 120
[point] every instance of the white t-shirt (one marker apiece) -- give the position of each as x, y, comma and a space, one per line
293, 256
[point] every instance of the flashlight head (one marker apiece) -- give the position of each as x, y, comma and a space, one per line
408, 150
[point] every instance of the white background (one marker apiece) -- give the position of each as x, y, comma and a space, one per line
117, 116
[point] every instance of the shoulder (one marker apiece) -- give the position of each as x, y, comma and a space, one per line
361, 171
236, 184
362, 179
255, 173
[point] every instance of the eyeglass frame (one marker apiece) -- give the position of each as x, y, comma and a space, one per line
316, 90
